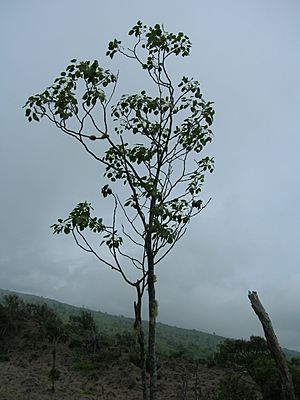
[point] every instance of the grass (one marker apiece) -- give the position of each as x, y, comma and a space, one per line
85, 366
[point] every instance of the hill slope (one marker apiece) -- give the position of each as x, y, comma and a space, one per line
170, 340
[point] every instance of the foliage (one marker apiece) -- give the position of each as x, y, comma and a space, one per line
295, 372
85, 366
241, 353
170, 340
233, 387
38, 319
152, 145
254, 357
4, 322
162, 171
83, 331
25, 324
82, 322
28, 320
265, 374
50, 324
12, 315
295, 361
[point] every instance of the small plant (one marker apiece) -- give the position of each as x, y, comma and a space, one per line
196, 385
88, 394
183, 387
211, 362
54, 375
85, 366
134, 356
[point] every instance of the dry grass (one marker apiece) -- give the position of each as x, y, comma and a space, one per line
106, 375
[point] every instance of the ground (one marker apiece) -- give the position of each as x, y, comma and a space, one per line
108, 374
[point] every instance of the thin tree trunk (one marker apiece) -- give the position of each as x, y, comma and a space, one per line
53, 367
273, 344
141, 340
152, 328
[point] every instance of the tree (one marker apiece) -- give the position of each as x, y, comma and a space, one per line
151, 144
254, 357
84, 327
13, 315
50, 327
55, 332
241, 354
48, 322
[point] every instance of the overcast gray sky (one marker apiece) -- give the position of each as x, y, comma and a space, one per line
246, 56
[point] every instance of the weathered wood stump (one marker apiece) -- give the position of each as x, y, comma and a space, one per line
275, 349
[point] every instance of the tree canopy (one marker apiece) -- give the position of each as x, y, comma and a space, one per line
149, 143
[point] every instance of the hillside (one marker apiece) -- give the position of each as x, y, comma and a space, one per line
50, 350
170, 340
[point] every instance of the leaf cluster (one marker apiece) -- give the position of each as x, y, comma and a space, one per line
151, 145
61, 98
80, 217
154, 40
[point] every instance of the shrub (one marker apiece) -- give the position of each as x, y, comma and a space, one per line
266, 375
233, 387
84, 331
241, 353
85, 366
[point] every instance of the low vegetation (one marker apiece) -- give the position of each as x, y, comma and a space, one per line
253, 359
171, 341
47, 356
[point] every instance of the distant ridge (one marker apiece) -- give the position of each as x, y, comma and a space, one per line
171, 340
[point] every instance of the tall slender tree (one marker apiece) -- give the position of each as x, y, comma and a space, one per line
151, 144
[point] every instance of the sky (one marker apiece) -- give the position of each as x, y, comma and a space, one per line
246, 56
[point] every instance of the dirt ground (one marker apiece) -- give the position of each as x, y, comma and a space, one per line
107, 375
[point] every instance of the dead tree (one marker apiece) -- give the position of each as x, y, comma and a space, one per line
275, 349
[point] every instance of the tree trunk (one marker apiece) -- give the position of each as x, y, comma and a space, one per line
141, 340
53, 367
152, 328
273, 344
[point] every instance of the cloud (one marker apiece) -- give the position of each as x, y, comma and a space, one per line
245, 55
